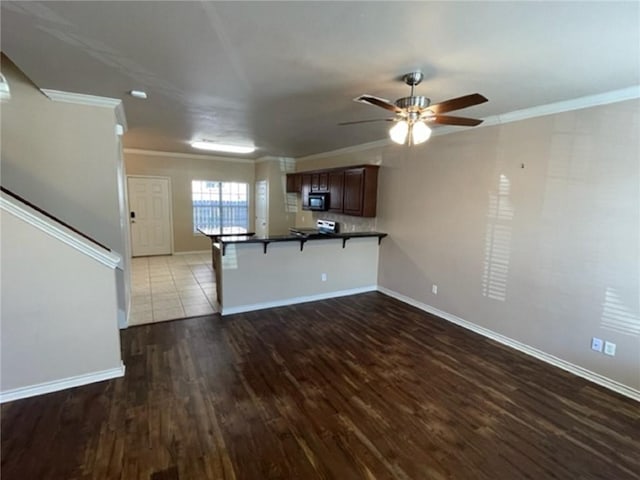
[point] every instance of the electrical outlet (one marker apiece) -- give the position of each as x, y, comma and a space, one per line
434, 289
323, 277
596, 344
609, 348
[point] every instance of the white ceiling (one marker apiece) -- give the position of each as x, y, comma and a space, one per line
283, 74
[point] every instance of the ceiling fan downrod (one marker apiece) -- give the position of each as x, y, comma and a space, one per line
413, 103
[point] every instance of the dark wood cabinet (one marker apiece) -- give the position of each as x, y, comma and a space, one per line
352, 190
323, 182
360, 191
305, 189
353, 187
319, 182
335, 185
294, 183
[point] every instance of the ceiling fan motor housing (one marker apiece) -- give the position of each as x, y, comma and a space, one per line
413, 78
413, 103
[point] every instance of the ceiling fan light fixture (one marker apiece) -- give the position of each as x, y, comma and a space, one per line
417, 132
399, 131
420, 133
413, 113
221, 147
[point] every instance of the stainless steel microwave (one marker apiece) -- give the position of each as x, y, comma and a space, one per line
318, 201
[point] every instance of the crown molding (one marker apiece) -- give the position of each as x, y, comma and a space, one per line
90, 100
352, 149
273, 159
589, 101
579, 103
195, 156
81, 98
121, 118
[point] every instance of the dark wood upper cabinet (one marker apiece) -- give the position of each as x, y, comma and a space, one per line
353, 187
305, 189
360, 191
335, 185
323, 182
352, 190
294, 183
319, 182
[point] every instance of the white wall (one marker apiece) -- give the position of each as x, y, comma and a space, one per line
282, 205
62, 157
285, 275
530, 229
58, 314
182, 169
66, 159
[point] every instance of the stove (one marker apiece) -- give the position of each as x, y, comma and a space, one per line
323, 227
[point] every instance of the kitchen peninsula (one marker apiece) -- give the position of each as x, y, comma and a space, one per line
254, 272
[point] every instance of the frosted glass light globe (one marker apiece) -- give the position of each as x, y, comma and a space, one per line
420, 133
398, 132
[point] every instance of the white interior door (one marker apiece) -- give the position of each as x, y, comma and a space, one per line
262, 208
150, 216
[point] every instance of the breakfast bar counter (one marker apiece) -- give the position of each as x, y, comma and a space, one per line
256, 272
216, 233
224, 241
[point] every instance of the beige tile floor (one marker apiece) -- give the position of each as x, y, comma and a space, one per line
170, 287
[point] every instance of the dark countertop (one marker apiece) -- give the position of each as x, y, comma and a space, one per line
215, 233
223, 241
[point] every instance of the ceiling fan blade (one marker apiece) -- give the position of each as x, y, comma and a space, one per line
458, 103
378, 102
368, 121
462, 121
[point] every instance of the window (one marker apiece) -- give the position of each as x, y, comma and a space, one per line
219, 204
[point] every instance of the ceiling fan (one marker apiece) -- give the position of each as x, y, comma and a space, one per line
413, 113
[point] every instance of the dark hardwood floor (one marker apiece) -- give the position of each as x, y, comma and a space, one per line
361, 387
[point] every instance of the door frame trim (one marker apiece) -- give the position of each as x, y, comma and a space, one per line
255, 201
171, 246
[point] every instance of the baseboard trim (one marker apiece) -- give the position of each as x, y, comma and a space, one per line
296, 300
192, 252
522, 347
57, 385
